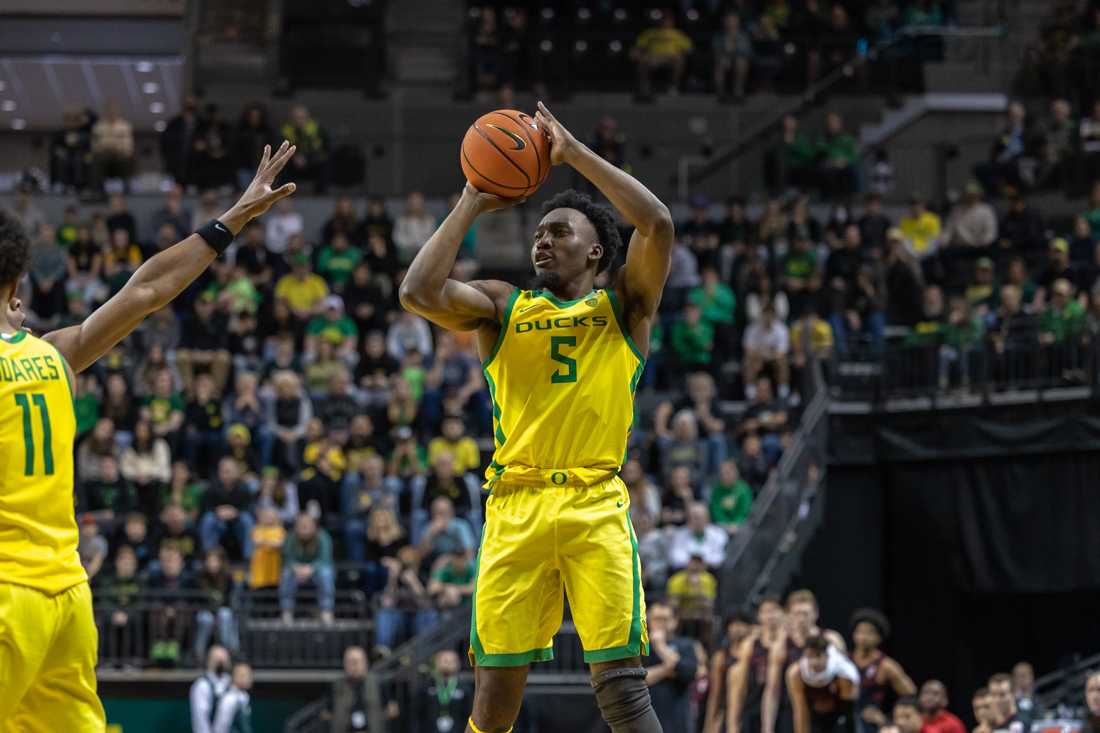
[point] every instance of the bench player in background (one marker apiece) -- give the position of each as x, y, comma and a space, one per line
48, 638
562, 360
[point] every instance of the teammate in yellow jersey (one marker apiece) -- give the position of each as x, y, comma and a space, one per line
48, 639
562, 360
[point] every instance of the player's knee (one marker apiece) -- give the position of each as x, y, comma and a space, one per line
624, 701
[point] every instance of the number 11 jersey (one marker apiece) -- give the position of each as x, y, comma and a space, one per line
38, 533
562, 377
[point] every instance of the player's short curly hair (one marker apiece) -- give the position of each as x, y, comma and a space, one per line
600, 216
871, 616
15, 249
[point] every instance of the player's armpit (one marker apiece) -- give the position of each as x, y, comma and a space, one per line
460, 306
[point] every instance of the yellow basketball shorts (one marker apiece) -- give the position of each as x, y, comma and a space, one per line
48, 647
539, 541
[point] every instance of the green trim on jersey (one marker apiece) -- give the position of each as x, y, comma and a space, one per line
560, 303
619, 318
14, 338
503, 327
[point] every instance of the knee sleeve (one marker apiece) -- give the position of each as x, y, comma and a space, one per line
623, 698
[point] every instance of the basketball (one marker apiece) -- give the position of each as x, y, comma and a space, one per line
506, 153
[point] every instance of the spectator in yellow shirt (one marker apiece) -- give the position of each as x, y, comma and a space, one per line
657, 48
692, 591
302, 290
921, 228
810, 334
267, 554
462, 447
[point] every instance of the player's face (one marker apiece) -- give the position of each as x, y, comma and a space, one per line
865, 636
564, 245
803, 616
1001, 693
1092, 694
770, 615
933, 696
907, 719
983, 710
817, 661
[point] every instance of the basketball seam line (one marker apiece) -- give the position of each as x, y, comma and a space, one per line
538, 158
504, 155
490, 180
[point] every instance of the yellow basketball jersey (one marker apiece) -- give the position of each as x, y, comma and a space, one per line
38, 534
562, 377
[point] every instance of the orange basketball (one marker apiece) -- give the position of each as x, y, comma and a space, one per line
506, 153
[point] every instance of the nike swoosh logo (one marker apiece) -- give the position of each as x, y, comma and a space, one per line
619, 504
524, 310
221, 227
520, 145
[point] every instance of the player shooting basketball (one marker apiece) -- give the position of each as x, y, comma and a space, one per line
562, 361
48, 639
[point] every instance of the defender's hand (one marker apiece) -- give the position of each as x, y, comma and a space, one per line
562, 142
259, 196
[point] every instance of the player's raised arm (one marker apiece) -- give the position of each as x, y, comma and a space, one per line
165, 275
428, 289
650, 252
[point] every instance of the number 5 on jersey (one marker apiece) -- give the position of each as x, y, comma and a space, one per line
570, 373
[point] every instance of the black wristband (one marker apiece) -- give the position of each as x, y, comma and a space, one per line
216, 235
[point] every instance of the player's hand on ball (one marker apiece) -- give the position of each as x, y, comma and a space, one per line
562, 141
487, 201
259, 196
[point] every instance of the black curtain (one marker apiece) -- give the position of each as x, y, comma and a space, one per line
981, 559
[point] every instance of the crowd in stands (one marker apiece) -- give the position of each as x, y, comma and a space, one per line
727, 48
200, 148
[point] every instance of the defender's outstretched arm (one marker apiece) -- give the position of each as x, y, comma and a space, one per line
157, 282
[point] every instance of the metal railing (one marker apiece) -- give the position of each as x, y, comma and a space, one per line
130, 628
981, 370
764, 552
1063, 691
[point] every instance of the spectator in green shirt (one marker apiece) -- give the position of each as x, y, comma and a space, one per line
1064, 317
334, 326
799, 154
839, 154
730, 497
164, 408
453, 580
307, 558
801, 279
337, 260
692, 338
715, 299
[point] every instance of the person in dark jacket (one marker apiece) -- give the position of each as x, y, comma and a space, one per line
226, 508
347, 705
444, 701
902, 281
672, 666
177, 139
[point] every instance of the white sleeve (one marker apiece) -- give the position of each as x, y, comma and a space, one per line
200, 706
227, 710
783, 338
